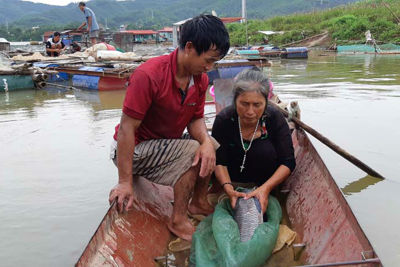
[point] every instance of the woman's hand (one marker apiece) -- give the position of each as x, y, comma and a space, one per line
261, 194
233, 194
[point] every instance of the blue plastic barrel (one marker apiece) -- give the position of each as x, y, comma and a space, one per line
86, 81
295, 52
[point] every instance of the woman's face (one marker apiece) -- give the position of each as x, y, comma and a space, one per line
250, 106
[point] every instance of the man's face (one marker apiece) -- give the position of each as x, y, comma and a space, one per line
198, 64
82, 8
56, 38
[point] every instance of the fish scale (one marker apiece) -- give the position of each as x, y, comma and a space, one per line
248, 216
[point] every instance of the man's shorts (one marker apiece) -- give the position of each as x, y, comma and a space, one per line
162, 161
94, 34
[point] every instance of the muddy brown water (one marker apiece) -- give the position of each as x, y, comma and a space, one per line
55, 174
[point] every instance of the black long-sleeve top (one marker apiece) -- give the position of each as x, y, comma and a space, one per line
273, 148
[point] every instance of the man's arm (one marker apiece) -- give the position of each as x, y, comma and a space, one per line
52, 49
123, 191
206, 153
82, 25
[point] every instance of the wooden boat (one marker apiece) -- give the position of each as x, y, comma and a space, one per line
328, 233
288, 52
90, 78
316, 208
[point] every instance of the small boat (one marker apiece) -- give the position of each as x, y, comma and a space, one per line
266, 52
98, 82
382, 49
87, 77
317, 210
328, 233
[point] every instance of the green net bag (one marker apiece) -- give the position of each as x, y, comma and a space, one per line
216, 241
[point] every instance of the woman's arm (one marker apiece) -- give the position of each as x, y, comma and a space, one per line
263, 191
222, 175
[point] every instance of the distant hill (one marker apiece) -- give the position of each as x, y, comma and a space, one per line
150, 13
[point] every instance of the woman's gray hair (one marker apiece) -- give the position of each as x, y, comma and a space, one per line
251, 80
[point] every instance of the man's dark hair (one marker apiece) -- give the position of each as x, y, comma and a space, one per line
56, 34
81, 4
204, 31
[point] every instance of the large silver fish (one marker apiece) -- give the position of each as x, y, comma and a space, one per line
248, 215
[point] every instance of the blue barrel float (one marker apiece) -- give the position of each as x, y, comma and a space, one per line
227, 72
99, 82
295, 52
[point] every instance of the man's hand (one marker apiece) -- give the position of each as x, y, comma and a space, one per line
233, 194
123, 194
205, 154
261, 194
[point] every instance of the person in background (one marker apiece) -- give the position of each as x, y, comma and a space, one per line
91, 23
166, 95
255, 141
55, 45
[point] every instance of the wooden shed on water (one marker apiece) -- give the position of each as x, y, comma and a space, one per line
126, 39
4, 45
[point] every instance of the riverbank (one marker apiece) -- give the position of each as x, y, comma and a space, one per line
346, 24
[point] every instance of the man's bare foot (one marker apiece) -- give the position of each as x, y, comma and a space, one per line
203, 208
183, 229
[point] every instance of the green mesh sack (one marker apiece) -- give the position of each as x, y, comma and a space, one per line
216, 242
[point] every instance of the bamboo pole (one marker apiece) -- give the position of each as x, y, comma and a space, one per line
331, 144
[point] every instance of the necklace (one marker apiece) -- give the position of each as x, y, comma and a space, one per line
251, 141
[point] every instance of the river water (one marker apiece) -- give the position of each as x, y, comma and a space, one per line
55, 174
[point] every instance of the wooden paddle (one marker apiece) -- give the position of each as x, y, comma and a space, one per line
330, 144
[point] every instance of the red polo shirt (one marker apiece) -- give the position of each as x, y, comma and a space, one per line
153, 96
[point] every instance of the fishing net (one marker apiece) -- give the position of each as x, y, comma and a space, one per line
216, 242
368, 48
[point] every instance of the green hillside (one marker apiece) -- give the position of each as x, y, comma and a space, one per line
346, 24
151, 13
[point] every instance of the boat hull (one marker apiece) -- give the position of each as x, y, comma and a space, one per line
317, 211
15, 82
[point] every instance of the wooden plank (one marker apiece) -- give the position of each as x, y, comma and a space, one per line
258, 63
92, 73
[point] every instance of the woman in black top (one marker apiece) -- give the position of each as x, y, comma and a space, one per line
256, 146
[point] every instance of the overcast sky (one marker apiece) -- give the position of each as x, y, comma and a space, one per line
53, 2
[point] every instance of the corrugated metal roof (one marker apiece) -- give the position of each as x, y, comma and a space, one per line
2, 40
139, 32
231, 19
166, 29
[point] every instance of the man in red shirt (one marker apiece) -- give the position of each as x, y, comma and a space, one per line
166, 95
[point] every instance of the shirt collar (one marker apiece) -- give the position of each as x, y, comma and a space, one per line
174, 67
